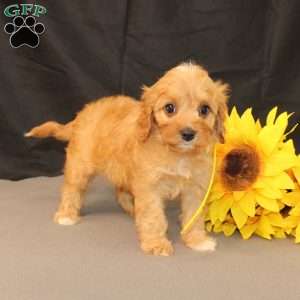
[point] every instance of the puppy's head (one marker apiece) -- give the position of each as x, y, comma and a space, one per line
186, 109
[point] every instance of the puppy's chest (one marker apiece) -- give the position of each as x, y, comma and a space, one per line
173, 178
181, 169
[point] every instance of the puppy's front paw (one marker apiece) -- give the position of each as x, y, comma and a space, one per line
201, 243
161, 247
66, 219
207, 245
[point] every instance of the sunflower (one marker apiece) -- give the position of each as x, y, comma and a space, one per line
252, 177
296, 170
292, 221
292, 201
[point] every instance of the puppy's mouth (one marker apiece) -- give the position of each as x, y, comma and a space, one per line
186, 146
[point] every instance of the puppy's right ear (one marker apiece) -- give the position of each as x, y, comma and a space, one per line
145, 119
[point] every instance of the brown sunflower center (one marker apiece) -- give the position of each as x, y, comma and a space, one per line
240, 168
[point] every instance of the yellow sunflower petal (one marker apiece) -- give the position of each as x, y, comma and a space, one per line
238, 215
267, 203
247, 231
289, 147
291, 198
291, 221
281, 205
296, 210
288, 231
278, 162
279, 234
247, 204
234, 117
280, 181
238, 195
232, 124
217, 227
224, 205
281, 122
228, 229
270, 193
258, 126
296, 172
215, 195
213, 212
276, 220
272, 115
268, 139
249, 126
271, 135
264, 228
261, 182
291, 130
298, 234
217, 190
247, 119
208, 226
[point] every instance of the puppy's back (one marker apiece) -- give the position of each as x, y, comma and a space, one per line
108, 118
104, 136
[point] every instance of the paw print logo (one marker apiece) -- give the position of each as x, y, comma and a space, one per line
24, 32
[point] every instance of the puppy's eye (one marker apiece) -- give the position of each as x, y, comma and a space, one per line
170, 108
204, 110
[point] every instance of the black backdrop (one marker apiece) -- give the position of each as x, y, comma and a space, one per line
95, 48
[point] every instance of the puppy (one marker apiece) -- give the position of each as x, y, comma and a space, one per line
153, 150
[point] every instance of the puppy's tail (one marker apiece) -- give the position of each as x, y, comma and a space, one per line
52, 129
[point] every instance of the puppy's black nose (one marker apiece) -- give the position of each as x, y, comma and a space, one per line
188, 134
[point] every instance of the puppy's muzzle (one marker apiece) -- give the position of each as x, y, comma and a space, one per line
187, 134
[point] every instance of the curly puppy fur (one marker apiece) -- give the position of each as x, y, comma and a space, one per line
153, 150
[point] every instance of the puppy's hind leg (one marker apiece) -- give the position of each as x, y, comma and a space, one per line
126, 201
77, 176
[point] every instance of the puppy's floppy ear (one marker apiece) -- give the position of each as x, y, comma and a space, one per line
222, 91
145, 119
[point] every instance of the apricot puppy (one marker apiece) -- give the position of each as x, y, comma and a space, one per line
153, 150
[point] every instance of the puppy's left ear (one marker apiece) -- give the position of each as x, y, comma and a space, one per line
145, 119
222, 95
